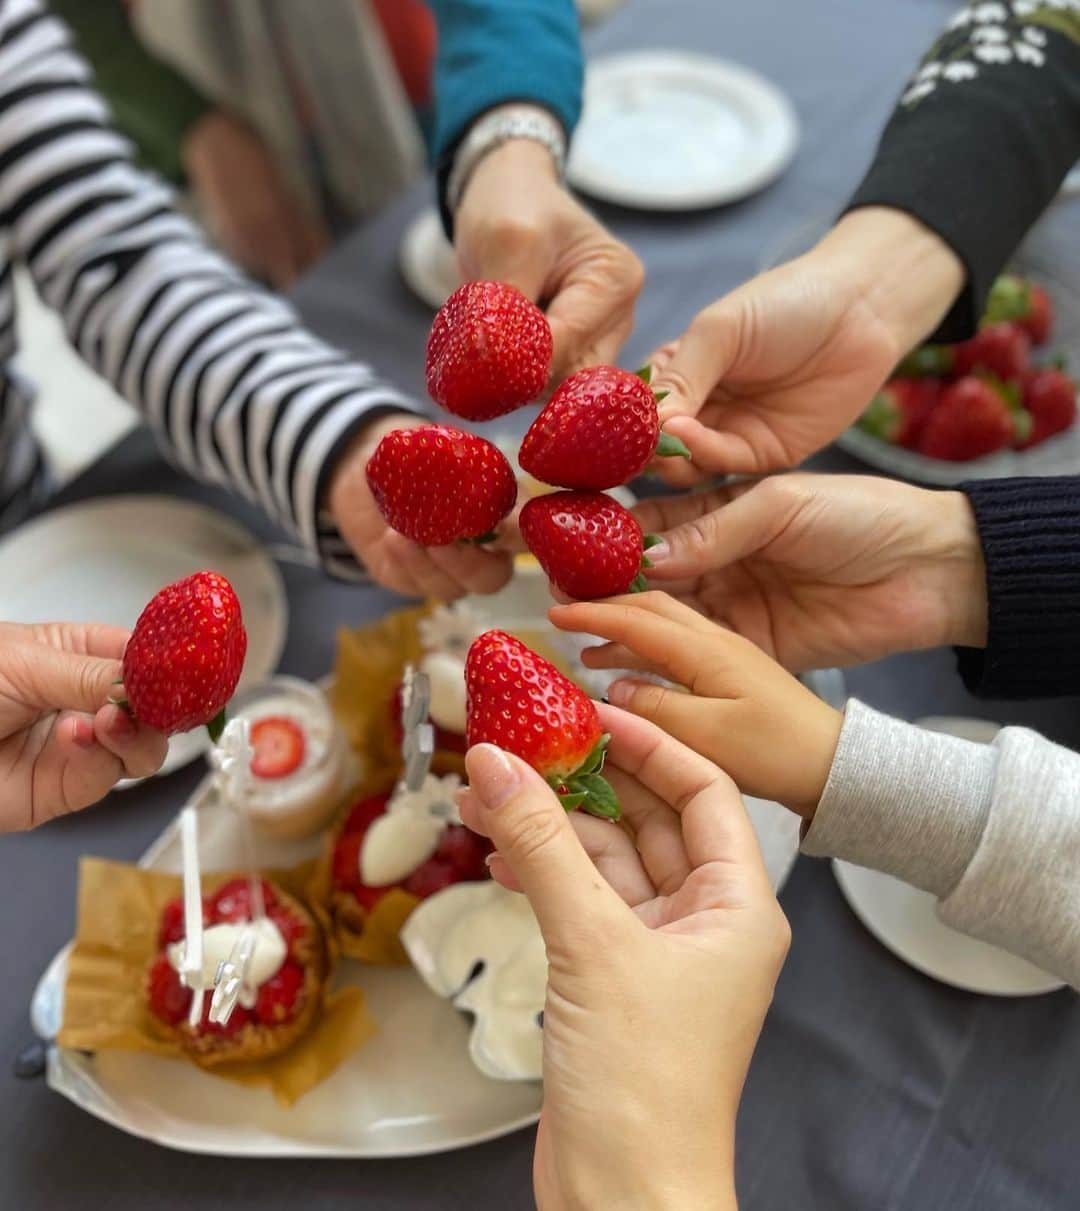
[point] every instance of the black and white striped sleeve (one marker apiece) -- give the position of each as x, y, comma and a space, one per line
236, 391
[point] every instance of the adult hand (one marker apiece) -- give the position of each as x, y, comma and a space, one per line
775, 370
660, 973
247, 204
822, 570
394, 561
516, 223
62, 747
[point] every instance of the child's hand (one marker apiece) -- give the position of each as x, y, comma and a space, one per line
743, 711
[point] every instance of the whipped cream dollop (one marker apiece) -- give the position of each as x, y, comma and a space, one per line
409, 831
446, 675
218, 942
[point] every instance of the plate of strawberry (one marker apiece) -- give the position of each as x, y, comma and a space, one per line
1002, 403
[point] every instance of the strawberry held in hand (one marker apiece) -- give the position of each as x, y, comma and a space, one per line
587, 543
438, 485
899, 411
489, 351
523, 704
185, 656
598, 430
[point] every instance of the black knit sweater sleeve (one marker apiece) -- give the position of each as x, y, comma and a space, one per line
984, 134
1030, 535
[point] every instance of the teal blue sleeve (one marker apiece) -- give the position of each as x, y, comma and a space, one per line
493, 51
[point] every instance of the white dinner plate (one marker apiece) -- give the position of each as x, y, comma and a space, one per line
905, 919
667, 130
426, 259
102, 560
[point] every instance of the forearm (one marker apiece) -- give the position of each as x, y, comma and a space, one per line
982, 138
957, 819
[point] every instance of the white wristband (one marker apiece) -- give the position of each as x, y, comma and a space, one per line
497, 127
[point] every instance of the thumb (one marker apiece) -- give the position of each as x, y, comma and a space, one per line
529, 826
702, 357
716, 538
45, 679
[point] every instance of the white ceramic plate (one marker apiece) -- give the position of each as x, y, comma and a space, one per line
666, 130
412, 1090
905, 919
102, 560
426, 260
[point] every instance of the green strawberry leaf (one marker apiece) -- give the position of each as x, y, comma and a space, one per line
599, 797
669, 446
122, 703
661, 396
480, 539
216, 726
651, 540
594, 762
572, 802
1009, 391
1010, 299
1059, 362
1023, 423
645, 374
880, 419
926, 361
639, 584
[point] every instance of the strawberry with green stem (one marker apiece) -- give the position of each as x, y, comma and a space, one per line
520, 702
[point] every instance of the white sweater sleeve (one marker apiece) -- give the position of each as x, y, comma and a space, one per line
992, 830
236, 391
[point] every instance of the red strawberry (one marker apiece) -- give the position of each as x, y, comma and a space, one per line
291, 927
489, 351
238, 1019
1002, 350
184, 658
1023, 303
898, 413
522, 703
434, 875
587, 543
972, 420
279, 745
437, 485
346, 866
464, 851
169, 1000
172, 921
364, 812
597, 431
279, 998
445, 742
232, 901
1050, 398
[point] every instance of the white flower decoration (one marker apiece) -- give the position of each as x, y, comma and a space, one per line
962, 69
929, 71
989, 33
962, 18
993, 54
917, 92
1028, 54
1035, 36
435, 799
1024, 8
984, 13
451, 629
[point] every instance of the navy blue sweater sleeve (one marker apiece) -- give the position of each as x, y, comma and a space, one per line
495, 51
1030, 535
983, 136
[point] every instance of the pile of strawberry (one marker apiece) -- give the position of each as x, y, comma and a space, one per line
458, 859
959, 402
280, 999
489, 353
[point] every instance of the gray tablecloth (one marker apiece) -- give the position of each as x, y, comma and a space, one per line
873, 1087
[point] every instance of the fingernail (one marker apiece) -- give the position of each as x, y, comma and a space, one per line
619, 693
492, 775
658, 552
82, 732
121, 726
489, 861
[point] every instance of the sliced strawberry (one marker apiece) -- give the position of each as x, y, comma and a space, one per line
292, 928
232, 901
368, 897
346, 865
464, 851
279, 743
279, 998
238, 1019
432, 876
364, 812
169, 1000
172, 921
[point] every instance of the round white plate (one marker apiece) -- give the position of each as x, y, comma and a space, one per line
102, 560
426, 259
905, 919
665, 130
412, 1090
